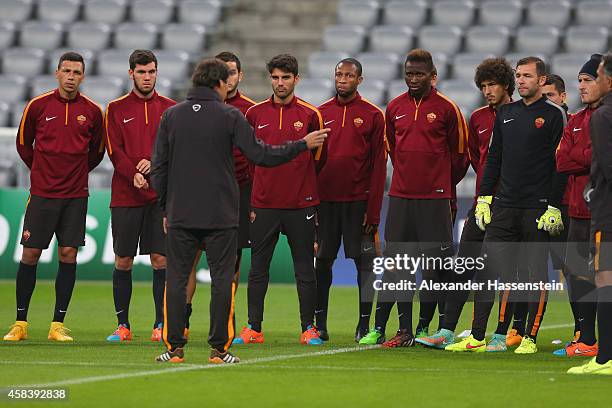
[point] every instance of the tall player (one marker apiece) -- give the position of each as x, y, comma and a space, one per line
351, 187
244, 176
136, 218
427, 137
284, 199
60, 140
495, 79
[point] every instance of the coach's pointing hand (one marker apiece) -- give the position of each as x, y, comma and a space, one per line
316, 138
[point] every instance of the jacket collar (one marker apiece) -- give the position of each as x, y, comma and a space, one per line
137, 98
57, 95
356, 99
203, 93
278, 105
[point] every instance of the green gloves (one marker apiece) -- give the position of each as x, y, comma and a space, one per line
551, 221
482, 213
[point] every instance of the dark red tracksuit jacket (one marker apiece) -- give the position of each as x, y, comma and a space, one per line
131, 124
60, 141
427, 144
574, 158
356, 166
480, 131
243, 168
293, 184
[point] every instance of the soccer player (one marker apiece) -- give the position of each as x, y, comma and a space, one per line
284, 199
351, 187
60, 140
193, 162
599, 197
495, 79
427, 137
520, 171
574, 159
136, 219
244, 176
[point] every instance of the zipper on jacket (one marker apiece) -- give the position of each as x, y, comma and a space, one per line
66, 120
146, 114
416, 112
280, 120
343, 116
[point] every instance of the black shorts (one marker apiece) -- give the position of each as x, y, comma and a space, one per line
244, 220
558, 242
342, 220
64, 217
132, 226
601, 248
577, 248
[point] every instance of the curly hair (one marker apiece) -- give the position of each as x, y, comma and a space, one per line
497, 70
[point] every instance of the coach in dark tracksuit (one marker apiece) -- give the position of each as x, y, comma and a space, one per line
193, 174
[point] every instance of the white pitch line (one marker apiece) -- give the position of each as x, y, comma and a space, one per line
394, 369
193, 367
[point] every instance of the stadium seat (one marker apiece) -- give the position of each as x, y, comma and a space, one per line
458, 13
54, 56
61, 11
102, 90
513, 57
358, 12
41, 34
136, 36
163, 86
504, 12
152, 11
441, 62
105, 11
390, 38
594, 12
464, 65
23, 61
113, 62
463, 93
7, 34
581, 38
373, 90
90, 35
554, 13
380, 65
15, 10
43, 84
315, 90
322, 64
172, 64
494, 39
16, 113
349, 39
187, 37
396, 87
567, 66
205, 12
445, 39
12, 88
537, 39
405, 12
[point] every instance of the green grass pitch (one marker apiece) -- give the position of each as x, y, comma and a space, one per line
281, 371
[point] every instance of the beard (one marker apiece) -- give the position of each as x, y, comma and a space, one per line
142, 91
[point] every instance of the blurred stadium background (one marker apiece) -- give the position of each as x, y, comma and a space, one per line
460, 34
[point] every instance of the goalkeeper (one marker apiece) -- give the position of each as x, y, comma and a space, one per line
525, 208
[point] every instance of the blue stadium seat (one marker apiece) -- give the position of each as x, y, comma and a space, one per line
207, 12
580, 38
458, 12
102, 90
54, 56
41, 34
187, 37
322, 64
90, 35
12, 88
152, 11
23, 61
7, 34
105, 11
135, 36
373, 90
315, 90
503, 12
494, 39
15, 10
445, 39
391, 38
594, 12
405, 12
380, 65
61, 11
554, 13
341, 38
537, 39
358, 12
464, 65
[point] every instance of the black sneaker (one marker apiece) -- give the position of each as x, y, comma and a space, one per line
173, 356
217, 357
403, 338
323, 334
360, 332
